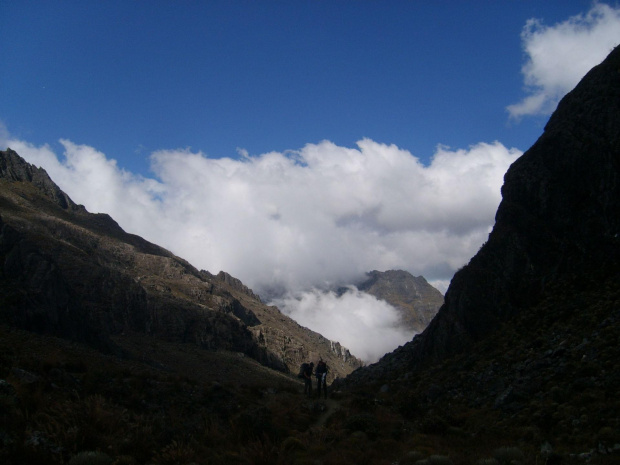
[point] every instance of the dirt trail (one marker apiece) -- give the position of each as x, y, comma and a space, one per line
331, 406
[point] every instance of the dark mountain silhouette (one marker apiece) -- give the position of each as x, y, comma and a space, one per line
530, 326
558, 223
78, 275
415, 299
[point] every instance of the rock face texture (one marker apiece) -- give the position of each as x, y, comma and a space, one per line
34, 292
558, 225
67, 272
415, 299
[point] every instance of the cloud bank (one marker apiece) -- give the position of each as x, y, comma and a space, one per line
317, 217
559, 56
293, 225
352, 314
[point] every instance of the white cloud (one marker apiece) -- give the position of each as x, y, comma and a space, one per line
301, 220
326, 214
560, 55
368, 327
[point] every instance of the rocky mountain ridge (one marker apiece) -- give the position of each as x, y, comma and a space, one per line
75, 274
415, 299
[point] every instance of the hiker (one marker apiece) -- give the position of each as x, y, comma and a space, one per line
321, 378
306, 371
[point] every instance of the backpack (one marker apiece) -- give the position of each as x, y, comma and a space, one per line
321, 367
302, 369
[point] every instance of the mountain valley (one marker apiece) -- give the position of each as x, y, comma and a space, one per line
115, 351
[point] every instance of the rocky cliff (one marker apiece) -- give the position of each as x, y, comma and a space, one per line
67, 272
557, 230
414, 298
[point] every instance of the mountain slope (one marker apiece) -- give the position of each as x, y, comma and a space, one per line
79, 275
528, 335
414, 298
558, 222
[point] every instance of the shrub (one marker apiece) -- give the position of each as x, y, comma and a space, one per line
358, 437
439, 460
255, 423
174, 453
509, 455
608, 435
411, 458
435, 425
231, 458
364, 422
487, 462
90, 458
124, 460
292, 444
262, 451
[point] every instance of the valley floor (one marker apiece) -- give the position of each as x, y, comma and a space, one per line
165, 403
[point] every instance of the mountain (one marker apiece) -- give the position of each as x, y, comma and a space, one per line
414, 298
78, 275
521, 365
530, 326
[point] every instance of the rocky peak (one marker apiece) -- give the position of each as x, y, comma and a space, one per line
415, 299
235, 283
15, 168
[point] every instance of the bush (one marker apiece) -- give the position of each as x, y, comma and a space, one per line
411, 458
90, 458
434, 425
292, 444
439, 460
509, 455
608, 435
174, 453
487, 462
124, 460
364, 422
231, 458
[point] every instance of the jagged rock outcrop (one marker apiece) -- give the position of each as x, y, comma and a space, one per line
78, 275
558, 226
236, 284
13, 168
415, 299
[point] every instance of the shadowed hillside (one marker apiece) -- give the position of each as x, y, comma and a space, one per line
78, 275
529, 331
558, 225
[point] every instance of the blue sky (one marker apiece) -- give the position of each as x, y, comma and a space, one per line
132, 77
295, 144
